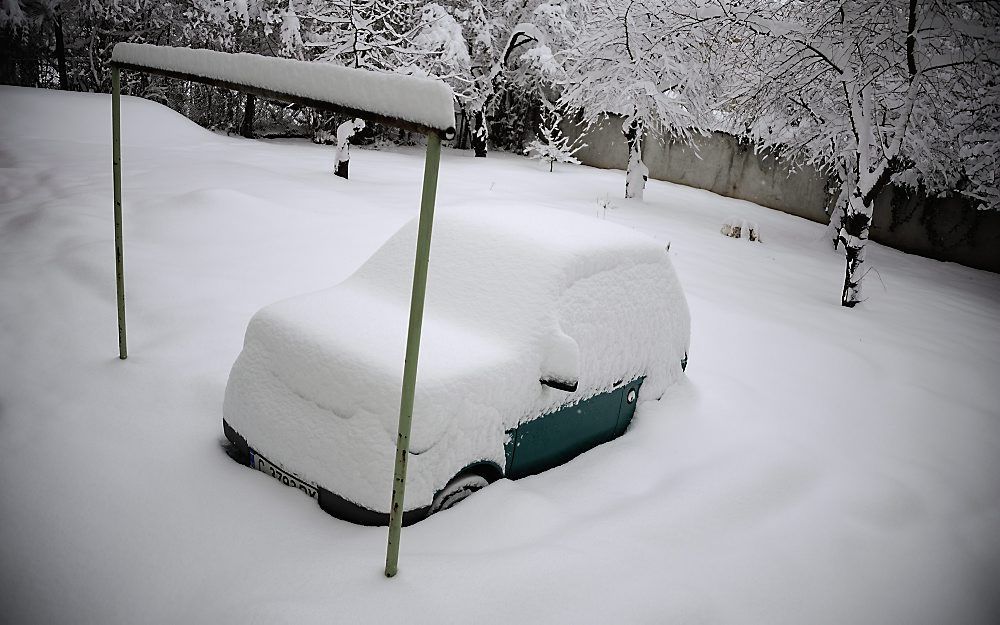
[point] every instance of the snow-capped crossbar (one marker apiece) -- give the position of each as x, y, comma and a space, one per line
414, 103
409, 102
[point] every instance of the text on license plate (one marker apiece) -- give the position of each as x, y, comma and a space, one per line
261, 464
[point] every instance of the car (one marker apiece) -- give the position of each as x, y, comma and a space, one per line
543, 329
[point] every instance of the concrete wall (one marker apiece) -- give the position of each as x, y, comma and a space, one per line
942, 228
945, 229
718, 163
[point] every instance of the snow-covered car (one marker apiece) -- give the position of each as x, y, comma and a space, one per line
542, 330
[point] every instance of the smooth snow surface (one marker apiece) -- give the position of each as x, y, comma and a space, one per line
411, 98
514, 295
815, 465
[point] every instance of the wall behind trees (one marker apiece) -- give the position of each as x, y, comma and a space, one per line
946, 229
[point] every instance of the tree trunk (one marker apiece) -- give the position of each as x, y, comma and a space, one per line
480, 133
342, 161
232, 104
206, 118
60, 52
636, 173
249, 112
854, 235
837, 214
340, 169
462, 136
847, 183
344, 133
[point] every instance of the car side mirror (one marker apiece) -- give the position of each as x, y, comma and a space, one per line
561, 363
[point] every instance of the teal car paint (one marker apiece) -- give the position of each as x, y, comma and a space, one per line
558, 437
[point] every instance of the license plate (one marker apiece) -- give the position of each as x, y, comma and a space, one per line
264, 466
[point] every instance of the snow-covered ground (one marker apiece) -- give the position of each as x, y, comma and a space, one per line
817, 465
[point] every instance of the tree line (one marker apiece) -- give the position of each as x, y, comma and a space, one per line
873, 92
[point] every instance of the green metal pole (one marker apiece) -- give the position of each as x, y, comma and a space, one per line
412, 348
116, 147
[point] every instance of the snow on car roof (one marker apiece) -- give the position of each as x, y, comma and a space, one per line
508, 289
421, 101
495, 260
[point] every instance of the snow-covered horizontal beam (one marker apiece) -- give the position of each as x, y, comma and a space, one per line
413, 103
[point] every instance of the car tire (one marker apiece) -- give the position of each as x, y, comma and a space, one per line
460, 487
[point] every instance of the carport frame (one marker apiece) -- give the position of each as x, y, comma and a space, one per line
425, 225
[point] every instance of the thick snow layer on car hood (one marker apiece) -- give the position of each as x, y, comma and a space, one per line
513, 295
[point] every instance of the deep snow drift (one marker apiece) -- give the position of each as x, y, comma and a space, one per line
816, 465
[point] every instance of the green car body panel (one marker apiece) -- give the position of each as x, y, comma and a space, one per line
534, 446
558, 437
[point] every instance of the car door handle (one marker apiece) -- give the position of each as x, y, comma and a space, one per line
569, 386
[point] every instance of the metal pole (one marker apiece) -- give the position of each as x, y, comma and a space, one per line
116, 147
412, 348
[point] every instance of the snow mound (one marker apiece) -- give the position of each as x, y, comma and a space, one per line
513, 295
197, 220
86, 118
737, 227
415, 99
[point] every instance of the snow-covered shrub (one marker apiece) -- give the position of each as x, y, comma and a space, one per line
603, 204
552, 145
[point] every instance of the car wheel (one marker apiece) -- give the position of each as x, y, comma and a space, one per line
460, 487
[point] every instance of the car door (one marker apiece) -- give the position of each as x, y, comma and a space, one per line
558, 437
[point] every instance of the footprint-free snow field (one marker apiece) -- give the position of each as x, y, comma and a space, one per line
815, 465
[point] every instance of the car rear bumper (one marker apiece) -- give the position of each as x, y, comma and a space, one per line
330, 502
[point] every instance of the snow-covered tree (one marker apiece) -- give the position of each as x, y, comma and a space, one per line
439, 34
877, 91
74, 38
552, 146
472, 61
368, 34
442, 38
490, 48
530, 65
24, 42
643, 60
268, 27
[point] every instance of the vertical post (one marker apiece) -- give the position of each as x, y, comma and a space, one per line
412, 348
116, 160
